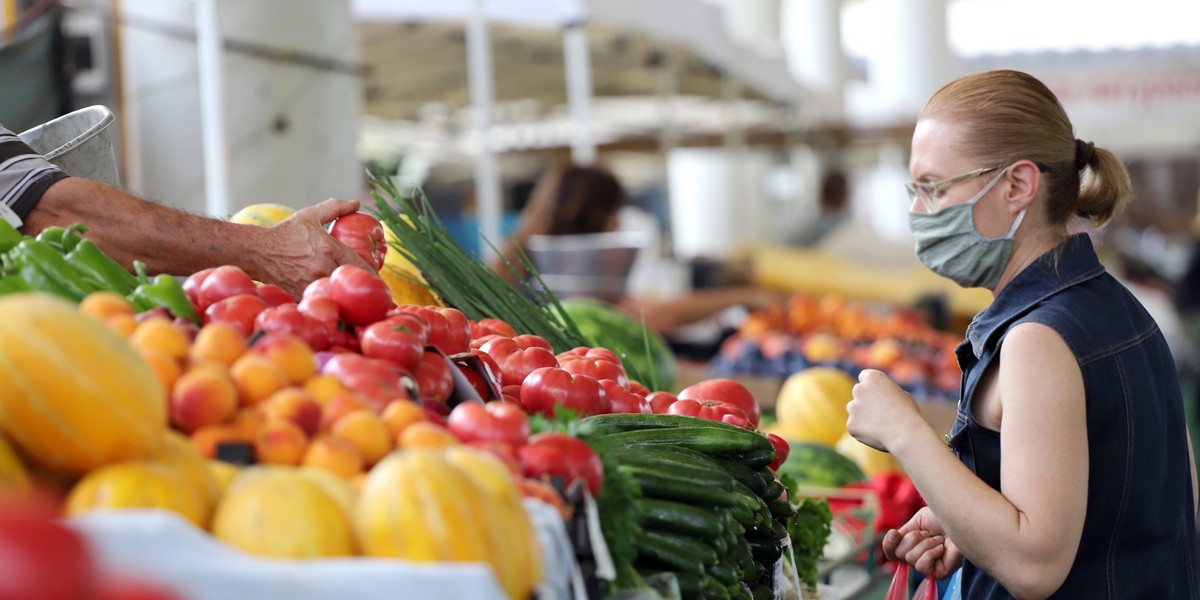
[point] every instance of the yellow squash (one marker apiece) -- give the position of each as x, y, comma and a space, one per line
137, 484
13, 478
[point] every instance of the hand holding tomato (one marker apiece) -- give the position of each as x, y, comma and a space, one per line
363, 234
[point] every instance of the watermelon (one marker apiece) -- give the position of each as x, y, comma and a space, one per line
817, 465
603, 325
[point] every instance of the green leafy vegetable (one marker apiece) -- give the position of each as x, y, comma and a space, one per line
808, 528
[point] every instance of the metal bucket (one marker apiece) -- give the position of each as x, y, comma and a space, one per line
595, 265
80, 143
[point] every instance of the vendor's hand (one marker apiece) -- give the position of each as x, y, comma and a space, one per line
298, 250
879, 410
922, 543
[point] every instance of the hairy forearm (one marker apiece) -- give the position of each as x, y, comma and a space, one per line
989, 530
166, 239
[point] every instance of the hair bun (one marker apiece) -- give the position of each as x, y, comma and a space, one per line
1083, 153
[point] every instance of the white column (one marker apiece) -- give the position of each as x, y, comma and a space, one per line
487, 180
917, 59
754, 21
212, 109
811, 35
577, 61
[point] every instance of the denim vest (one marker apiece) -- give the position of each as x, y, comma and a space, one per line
1139, 533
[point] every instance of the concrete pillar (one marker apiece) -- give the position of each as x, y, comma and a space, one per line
811, 34
753, 21
915, 60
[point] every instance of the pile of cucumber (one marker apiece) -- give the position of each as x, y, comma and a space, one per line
710, 511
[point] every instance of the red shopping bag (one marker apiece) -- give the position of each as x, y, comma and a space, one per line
926, 590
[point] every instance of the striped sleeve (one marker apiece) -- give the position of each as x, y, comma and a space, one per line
24, 177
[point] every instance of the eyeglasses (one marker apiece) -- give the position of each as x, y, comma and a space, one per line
928, 192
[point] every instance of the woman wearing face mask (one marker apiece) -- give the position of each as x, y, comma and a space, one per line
1069, 472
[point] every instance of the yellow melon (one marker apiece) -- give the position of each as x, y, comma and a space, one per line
811, 406
263, 215
277, 511
137, 484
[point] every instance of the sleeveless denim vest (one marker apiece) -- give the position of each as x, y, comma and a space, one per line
1139, 534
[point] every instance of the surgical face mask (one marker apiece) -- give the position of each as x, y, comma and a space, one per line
949, 245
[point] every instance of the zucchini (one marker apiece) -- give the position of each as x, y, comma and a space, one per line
603, 425
659, 485
677, 517
765, 552
759, 591
745, 446
726, 573
712, 588
774, 490
678, 462
748, 477
780, 508
675, 551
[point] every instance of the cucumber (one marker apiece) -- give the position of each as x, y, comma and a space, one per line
602, 425
690, 584
747, 447
748, 477
675, 551
774, 490
678, 462
766, 552
677, 517
780, 508
712, 588
741, 591
759, 591
658, 485
724, 572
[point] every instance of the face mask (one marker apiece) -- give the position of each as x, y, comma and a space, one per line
949, 244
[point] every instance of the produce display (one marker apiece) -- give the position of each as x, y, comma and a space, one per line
833, 332
354, 421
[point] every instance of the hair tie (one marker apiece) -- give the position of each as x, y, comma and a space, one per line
1083, 153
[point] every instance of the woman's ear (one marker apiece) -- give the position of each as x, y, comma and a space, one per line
1025, 179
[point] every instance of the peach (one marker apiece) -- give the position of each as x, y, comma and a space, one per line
280, 442
290, 354
207, 438
367, 432
323, 388
399, 414
157, 333
339, 406
202, 397
248, 421
295, 405
165, 367
103, 305
256, 378
335, 455
219, 342
426, 434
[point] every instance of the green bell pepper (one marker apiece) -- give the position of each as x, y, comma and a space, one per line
63, 239
45, 270
165, 291
89, 260
9, 236
12, 285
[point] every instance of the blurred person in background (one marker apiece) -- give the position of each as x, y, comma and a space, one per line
35, 194
573, 200
834, 206
1070, 475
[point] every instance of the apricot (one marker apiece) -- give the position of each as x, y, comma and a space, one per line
367, 432
295, 405
335, 455
339, 406
122, 324
104, 305
280, 442
426, 434
165, 368
202, 397
207, 438
248, 421
290, 354
256, 378
219, 342
399, 414
323, 388
157, 333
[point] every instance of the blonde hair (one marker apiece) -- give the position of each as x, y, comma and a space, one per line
1012, 116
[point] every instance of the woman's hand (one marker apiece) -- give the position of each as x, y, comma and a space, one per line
880, 410
922, 543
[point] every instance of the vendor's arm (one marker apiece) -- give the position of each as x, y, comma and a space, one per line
290, 254
1027, 536
666, 316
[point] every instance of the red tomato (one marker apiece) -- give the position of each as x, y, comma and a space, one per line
413, 324
725, 390
494, 421
782, 449
486, 379
597, 353
240, 311
595, 365
135, 589
712, 410
42, 557
321, 308
393, 342
516, 363
737, 421
342, 366
437, 413
549, 387
478, 342
362, 297
560, 455
363, 234
528, 340
274, 295
343, 341
660, 402
191, 286
287, 318
224, 282
490, 326
621, 400
449, 328
637, 388
435, 381
319, 287
377, 391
